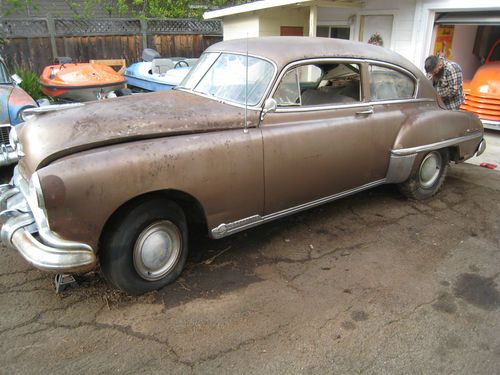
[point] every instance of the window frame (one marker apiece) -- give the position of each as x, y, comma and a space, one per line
397, 69
312, 61
365, 86
265, 95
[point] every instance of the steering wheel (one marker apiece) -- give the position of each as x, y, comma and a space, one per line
180, 63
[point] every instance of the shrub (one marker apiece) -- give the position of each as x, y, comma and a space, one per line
30, 82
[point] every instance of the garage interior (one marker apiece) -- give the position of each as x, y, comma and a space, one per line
472, 34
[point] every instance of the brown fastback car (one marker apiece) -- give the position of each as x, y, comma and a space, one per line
259, 129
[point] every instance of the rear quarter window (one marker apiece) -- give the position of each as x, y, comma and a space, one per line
390, 84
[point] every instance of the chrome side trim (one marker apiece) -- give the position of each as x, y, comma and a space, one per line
400, 167
437, 145
224, 229
29, 113
350, 105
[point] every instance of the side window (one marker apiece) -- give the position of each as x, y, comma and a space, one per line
390, 84
320, 84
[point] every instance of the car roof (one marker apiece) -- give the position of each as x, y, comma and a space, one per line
284, 49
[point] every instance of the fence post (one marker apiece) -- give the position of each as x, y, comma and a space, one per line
52, 32
144, 32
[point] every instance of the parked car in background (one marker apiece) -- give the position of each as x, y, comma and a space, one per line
259, 129
482, 94
13, 100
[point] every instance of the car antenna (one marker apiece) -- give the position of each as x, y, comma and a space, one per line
246, 90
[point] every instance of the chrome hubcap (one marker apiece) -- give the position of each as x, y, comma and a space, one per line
430, 169
157, 250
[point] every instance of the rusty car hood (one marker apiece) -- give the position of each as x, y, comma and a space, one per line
96, 124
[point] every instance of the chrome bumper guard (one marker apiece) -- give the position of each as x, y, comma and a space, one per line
17, 228
481, 147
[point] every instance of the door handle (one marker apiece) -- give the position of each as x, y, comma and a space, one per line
366, 112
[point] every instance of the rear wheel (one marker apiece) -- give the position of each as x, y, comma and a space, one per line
145, 247
428, 177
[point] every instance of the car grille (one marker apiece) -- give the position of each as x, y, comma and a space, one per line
485, 108
4, 134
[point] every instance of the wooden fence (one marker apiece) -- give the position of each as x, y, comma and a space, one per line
34, 43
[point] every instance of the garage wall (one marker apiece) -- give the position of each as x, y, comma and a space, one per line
272, 19
425, 11
461, 49
241, 26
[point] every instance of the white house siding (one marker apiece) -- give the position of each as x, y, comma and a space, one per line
244, 25
402, 28
272, 19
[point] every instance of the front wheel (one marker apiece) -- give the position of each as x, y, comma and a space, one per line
145, 247
428, 177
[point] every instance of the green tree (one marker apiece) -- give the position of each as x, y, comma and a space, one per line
123, 8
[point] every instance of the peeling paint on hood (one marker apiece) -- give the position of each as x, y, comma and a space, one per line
57, 134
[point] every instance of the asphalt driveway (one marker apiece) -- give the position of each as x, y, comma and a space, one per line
369, 284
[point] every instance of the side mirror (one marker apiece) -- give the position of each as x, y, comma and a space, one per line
269, 106
16, 79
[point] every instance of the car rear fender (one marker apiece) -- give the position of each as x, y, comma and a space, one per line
457, 131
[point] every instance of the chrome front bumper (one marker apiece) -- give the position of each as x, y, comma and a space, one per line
7, 154
490, 124
49, 252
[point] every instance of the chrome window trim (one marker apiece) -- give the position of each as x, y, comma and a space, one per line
257, 106
224, 230
401, 69
293, 64
359, 61
437, 145
355, 105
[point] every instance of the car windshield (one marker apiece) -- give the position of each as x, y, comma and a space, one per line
224, 76
4, 74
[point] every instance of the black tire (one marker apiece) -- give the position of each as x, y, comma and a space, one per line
123, 92
424, 184
154, 225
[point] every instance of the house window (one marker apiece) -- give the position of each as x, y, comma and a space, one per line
339, 32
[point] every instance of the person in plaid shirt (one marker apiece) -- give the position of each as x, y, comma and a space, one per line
447, 78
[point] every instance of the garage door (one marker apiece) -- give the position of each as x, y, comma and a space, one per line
468, 18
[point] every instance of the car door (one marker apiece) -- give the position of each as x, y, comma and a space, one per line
318, 142
392, 97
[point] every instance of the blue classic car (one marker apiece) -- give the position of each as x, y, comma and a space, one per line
13, 100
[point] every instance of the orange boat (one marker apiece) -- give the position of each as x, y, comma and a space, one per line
482, 94
80, 82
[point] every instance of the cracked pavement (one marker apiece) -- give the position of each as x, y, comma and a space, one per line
372, 284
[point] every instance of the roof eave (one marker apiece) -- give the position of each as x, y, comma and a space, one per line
250, 7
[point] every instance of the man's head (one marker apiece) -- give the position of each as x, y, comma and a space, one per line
433, 65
